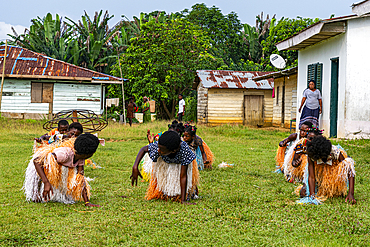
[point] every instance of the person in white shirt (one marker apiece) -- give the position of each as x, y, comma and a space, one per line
181, 112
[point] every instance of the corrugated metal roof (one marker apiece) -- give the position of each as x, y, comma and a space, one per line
233, 79
277, 74
23, 63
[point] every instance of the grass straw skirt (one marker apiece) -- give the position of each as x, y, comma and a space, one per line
280, 155
67, 184
294, 174
210, 156
165, 180
147, 166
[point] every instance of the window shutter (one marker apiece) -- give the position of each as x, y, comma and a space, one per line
318, 76
314, 72
311, 71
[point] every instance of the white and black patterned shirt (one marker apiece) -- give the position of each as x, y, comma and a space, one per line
184, 156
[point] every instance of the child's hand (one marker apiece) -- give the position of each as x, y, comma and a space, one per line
206, 161
48, 191
38, 140
92, 205
134, 175
150, 137
350, 199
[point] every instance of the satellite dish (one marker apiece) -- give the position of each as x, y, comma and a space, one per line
277, 61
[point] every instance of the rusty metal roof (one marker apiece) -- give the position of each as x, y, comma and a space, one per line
23, 63
233, 79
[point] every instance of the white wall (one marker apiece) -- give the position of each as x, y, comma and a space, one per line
77, 96
20, 100
322, 53
357, 123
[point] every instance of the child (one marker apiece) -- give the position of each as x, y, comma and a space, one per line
174, 174
328, 172
61, 171
285, 146
296, 159
62, 129
199, 147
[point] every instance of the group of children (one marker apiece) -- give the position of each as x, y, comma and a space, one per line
324, 170
172, 160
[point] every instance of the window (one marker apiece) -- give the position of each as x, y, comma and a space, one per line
277, 96
314, 72
41, 92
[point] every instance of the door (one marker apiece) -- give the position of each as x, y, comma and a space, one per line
253, 110
334, 97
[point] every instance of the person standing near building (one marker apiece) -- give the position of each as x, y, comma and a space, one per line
181, 112
130, 110
313, 107
146, 111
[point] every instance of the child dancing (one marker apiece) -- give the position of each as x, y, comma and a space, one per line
57, 173
174, 173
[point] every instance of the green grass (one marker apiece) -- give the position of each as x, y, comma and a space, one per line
247, 205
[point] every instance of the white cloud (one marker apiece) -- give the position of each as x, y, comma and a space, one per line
5, 28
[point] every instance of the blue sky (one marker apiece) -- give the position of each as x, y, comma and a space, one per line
19, 13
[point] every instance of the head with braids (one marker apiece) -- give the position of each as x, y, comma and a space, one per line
176, 126
189, 133
75, 129
313, 132
319, 148
62, 126
169, 143
304, 128
85, 146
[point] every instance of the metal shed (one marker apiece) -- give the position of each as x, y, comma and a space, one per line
233, 97
36, 85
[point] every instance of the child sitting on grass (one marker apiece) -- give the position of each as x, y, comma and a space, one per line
57, 173
199, 147
174, 174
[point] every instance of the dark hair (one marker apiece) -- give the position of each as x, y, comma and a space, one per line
86, 144
180, 94
192, 130
319, 148
314, 82
308, 123
176, 126
170, 139
77, 126
62, 122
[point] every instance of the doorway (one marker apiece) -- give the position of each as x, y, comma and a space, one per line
334, 97
253, 110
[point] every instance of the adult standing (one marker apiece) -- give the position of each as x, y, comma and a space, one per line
130, 110
313, 107
146, 111
181, 112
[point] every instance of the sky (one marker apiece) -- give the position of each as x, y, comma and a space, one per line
18, 14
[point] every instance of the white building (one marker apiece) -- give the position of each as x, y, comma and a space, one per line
335, 52
36, 86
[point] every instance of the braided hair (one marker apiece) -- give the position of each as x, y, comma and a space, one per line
62, 122
308, 124
319, 148
176, 126
192, 130
315, 130
86, 144
170, 139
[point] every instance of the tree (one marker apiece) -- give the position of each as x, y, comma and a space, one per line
51, 37
224, 31
161, 62
283, 29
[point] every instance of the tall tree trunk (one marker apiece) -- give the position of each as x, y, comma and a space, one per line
173, 108
166, 109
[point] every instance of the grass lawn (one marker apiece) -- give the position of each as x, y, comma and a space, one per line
246, 205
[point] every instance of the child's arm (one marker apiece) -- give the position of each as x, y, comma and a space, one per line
135, 169
47, 186
183, 182
205, 160
296, 159
80, 170
290, 138
150, 136
350, 197
311, 177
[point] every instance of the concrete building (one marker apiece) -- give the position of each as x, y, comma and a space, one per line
335, 52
